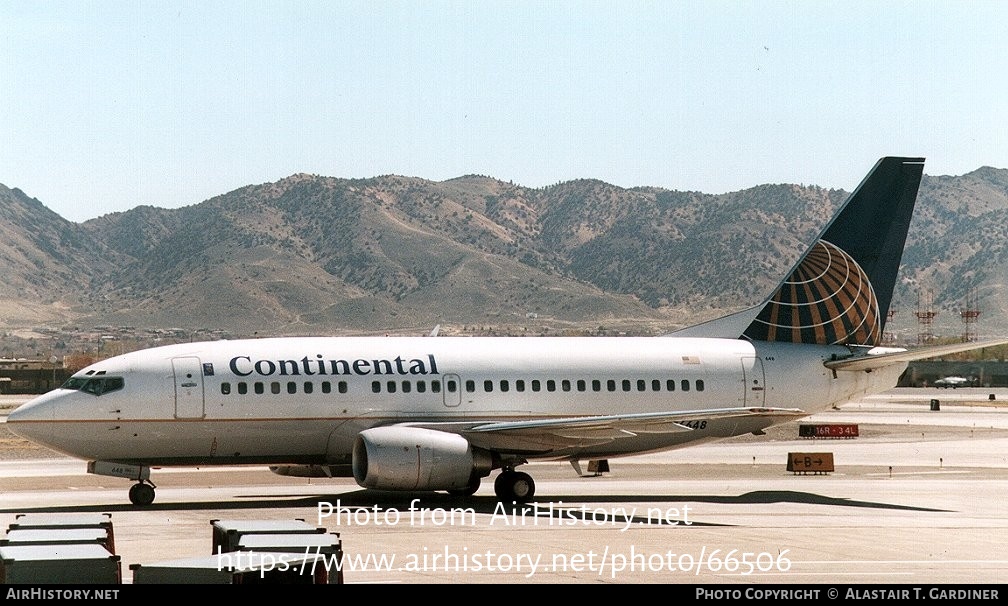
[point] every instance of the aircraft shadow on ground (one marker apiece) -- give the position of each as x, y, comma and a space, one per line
562, 505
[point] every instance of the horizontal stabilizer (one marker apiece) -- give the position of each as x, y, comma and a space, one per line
887, 357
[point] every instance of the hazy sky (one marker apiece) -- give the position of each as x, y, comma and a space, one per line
108, 105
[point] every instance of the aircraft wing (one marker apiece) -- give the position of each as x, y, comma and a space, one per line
869, 361
539, 436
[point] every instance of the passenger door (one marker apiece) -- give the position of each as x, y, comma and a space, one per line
451, 389
189, 402
752, 371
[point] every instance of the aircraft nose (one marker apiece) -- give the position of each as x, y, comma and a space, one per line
38, 420
37, 409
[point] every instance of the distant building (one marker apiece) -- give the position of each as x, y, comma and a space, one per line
24, 376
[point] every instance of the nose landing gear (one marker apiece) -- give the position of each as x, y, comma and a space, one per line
142, 494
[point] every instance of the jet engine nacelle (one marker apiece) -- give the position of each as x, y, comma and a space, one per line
413, 458
312, 471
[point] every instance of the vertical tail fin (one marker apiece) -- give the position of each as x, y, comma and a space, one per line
841, 289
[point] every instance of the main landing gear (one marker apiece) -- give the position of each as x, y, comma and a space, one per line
516, 486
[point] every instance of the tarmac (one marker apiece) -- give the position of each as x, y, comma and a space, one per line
917, 498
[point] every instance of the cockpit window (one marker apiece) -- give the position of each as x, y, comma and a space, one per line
75, 383
96, 385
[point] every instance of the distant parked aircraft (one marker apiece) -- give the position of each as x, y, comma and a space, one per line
953, 382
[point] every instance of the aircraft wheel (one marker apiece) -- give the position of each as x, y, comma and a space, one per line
514, 486
141, 494
522, 487
501, 485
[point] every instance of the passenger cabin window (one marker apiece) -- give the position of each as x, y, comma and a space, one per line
626, 384
505, 386
520, 385
565, 385
535, 385
641, 385
699, 385
258, 387
655, 385
596, 385
488, 385
451, 386
550, 385
581, 385
406, 386
670, 384
684, 384
421, 386
375, 386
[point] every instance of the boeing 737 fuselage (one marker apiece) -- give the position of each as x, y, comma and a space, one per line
429, 413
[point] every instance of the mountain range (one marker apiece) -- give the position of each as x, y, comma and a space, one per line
313, 254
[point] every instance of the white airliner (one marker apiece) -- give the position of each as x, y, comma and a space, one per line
442, 413
953, 382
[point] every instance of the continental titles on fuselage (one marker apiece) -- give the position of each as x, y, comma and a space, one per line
244, 366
